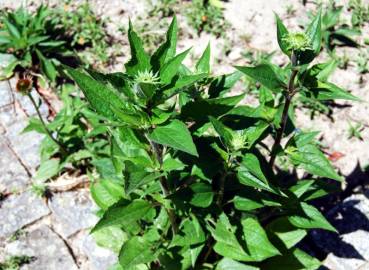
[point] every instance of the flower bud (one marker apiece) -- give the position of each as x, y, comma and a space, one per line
24, 85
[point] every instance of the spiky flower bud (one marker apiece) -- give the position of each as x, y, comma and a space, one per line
298, 41
24, 85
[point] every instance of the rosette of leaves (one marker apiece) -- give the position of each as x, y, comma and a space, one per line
195, 186
33, 41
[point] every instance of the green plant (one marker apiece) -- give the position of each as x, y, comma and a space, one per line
86, 30
164, 8
34, 42
15, 262
355, 131
362, 61
334, 32
204, 15
74, 139
192, 184
360, 13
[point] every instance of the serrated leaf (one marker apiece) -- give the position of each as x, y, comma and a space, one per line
264, 74
311, 159
136, 251
250, 174
282, 33
314, 32
170, 68
175, 135
258, 245
106, 193
310, 218
111, 238
168, 49
203, 65
330, 91
123, 215
140, 60
100, 96
227, 244
203, 195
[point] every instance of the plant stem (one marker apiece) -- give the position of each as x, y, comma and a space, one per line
164, 186
221, 190
61, 146
280, 132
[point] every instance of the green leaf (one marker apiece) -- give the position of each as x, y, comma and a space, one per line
222, 84
330, 91
170, 68
175, 135
180, 84
225, 133
203, 195
12, 29
203, 65
250, 174
47, 169
227, 244
140, 60
282, 33
295, 259
47, 66
264, 74
137, 179
253, 201
286, 232
229, 264
123, 215
168, 49
309, 217
136, 251
100, 96
191, 233
202, 109
314, 32
258, 245
106, 193
311, 159
111, 238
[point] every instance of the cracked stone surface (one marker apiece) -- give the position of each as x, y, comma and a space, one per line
5, 94
46, 248
349, 248
97, 257
20, 210
13, 176
72, 211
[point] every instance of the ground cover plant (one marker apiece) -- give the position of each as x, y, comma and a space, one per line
189, 181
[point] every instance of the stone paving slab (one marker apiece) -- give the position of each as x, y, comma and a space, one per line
49, 252
13, 176
20, 210
5, 94
349, 248
71, 212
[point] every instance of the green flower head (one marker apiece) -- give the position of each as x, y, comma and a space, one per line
147, 76
298, 41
